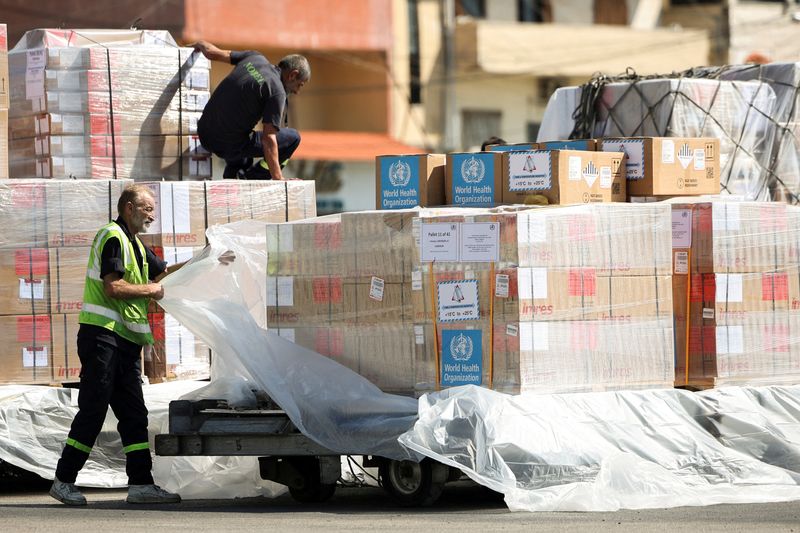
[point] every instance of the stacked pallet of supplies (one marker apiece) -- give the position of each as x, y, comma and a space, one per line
106, 104
3, 101
46, 229
737, 286
542, 300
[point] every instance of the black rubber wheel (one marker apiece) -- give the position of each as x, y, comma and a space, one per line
312, 489
413, 484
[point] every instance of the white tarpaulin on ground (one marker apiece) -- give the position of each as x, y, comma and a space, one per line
591, 452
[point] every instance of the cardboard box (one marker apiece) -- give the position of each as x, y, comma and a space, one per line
464, 355
4, 81
304, 300
618, 239
77, 209
124, 147
176, 353
473, 179
569, 294
669, 165
4, 143
515, 147
170, 122
383, 354
578, 356
108, 167
180, 214
302, 199
562, 177
737, 237
129, 102
379, 243
404, 181
573, 144
22, 214
67, 278
24, 281
27, 349
306, 248
66, 363
233, 200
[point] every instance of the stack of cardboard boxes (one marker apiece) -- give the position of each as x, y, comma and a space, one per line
91, 104
737, 287
47, 227
46, 230
545, 300
3, 101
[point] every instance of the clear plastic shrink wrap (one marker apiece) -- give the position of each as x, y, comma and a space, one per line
565, 299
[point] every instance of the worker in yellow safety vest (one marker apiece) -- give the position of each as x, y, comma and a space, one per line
121, 278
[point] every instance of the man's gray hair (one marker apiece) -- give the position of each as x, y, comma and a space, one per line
298, 63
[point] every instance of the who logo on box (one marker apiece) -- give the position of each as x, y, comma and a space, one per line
473, 170
462, 357
399, 173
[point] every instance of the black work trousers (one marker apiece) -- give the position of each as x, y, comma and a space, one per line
110, 376
237, 154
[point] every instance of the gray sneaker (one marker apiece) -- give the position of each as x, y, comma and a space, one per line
150, 494
66, 493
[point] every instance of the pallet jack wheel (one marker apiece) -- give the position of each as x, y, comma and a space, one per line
413, 484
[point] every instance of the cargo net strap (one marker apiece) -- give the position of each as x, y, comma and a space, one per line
766, 165
163, 102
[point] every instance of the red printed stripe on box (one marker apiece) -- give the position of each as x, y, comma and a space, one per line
329, 342
100, 124
583, 336
582, 282
157, 325
327, 290
101, 146
225, 194
31, 262
328, 236
27, 195
775, 338
775, 287
581, 227
35, 329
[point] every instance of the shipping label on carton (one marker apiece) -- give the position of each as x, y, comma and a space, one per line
529, 171
473, 179
400, 182
634, 150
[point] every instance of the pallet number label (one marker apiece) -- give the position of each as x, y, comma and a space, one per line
439, 242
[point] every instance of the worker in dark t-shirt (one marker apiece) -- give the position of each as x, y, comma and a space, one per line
254, 91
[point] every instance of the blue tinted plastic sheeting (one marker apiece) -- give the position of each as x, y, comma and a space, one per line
587, 452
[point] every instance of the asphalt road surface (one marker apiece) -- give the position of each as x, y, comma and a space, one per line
463, 507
